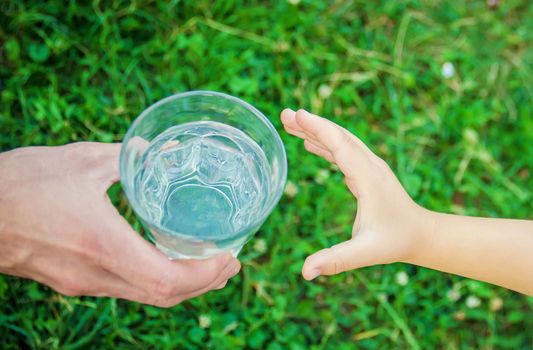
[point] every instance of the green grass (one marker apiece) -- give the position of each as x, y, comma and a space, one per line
71, 71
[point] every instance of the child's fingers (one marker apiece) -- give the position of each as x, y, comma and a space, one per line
310, 145
351, 136
296, 133
288, 118
319, 151
352, 157
344, 256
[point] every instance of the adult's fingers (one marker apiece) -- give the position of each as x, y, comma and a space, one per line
112, 285
108, 284
141, 264
70, 274
231, 270
196, 266
344, 256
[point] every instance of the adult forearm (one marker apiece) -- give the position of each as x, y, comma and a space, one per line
498, 251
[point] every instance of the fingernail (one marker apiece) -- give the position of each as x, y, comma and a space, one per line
234, 270
284, 116
314, 274
222, 285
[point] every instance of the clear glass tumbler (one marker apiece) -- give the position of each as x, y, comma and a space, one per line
202, 170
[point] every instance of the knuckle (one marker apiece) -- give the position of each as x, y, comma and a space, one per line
67, 292
385, 175
338, 266
164, 289
166, 304
343, 142
76, 147
17, 253
345, 138
79, 150
382, 164
71, 289
89, 246
88, 158
213, 270
92, 247
72, 285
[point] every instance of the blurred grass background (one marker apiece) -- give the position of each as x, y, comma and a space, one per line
441, 89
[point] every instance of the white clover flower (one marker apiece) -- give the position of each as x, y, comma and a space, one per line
260, 245
472, 302
402, 278
204, 321
448, 70
321, 176
293, 2
291, 190
453, 295
325, 91
496, 304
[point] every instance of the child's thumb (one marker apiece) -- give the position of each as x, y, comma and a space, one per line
344, 256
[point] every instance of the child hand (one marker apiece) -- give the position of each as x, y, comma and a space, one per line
387, 222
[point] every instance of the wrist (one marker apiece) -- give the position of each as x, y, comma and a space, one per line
422, 230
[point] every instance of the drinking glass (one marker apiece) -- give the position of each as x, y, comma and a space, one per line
202, 170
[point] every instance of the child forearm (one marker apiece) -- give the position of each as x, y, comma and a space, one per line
498, 251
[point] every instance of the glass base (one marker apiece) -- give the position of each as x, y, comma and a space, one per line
200, 254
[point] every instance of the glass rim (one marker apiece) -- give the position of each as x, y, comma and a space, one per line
283, 169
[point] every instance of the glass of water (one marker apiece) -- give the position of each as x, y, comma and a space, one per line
202, 171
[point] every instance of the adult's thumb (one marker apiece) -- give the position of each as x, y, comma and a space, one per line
344, 256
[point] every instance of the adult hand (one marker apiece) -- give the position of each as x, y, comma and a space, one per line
387, 221
58, 227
